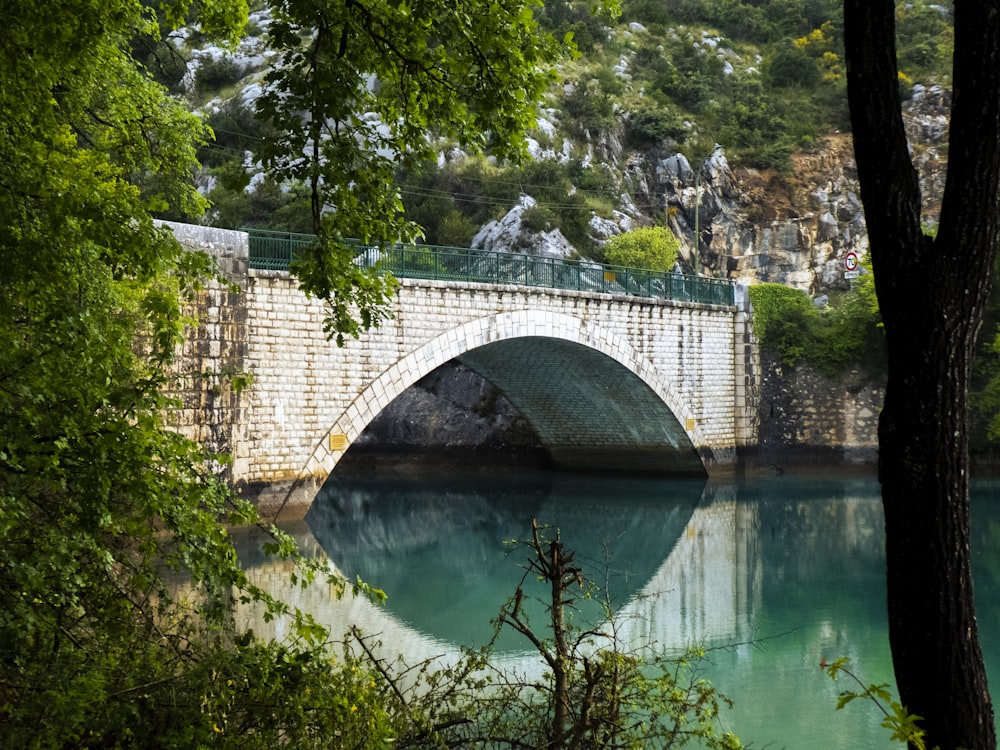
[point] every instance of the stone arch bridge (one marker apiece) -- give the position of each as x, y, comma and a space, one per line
608, 382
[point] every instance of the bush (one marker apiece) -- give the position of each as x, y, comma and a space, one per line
590, 106
693, 78
652, 248
784, 320
788, 325
215, 74
594, 692
538, 219
792, 67
455, 230
650, 126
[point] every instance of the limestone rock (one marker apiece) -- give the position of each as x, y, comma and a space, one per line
509, 235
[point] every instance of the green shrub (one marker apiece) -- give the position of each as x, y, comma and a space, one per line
538, 219
455, 230
926, 40
693, 78
590, 106
783, 319
213, 75
789, 326
792, 67
652, 248
650, 126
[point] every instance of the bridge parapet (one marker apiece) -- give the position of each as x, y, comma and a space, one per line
275, 251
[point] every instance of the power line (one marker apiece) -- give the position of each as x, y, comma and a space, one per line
478, 198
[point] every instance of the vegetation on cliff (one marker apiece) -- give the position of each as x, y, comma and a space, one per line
765, 80
844, 333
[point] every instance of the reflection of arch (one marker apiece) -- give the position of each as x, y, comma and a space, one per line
580, 429
437, 546
702, 592
707, 589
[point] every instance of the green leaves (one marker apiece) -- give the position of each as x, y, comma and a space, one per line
904, 726
788, 324
102, 503
649, 248
364, 88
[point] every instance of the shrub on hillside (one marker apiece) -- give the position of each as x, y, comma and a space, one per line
788, 325
652, 248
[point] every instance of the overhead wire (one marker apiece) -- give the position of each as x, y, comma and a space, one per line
523, 188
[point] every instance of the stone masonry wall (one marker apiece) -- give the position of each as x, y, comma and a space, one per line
308, 394
212, 411
808, 419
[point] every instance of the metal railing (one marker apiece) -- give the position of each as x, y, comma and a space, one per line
275, 251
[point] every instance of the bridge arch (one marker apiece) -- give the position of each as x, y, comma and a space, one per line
593, 400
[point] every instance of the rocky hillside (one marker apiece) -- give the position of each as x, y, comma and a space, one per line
792, 223
775, 199
791, 227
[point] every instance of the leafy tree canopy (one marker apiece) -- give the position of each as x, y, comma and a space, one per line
100, 501
364, 88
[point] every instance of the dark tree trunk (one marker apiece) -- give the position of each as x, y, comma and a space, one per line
931, 293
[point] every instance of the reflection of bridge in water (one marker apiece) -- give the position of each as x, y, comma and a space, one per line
702, 590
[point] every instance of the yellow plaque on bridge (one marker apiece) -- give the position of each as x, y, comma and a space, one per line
338, 442
689, 424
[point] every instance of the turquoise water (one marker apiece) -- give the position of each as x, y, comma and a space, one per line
772, 577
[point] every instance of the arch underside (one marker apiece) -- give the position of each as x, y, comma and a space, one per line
588, 410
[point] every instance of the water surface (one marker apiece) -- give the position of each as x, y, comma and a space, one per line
772, 577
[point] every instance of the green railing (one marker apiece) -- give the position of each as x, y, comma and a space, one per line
275, 251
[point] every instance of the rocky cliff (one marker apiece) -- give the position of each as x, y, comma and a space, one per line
793, 228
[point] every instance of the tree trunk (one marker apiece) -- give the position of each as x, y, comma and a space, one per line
931, 293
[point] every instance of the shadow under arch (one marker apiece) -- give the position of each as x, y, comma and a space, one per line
577, 383
437, 546
589, 410
594, 401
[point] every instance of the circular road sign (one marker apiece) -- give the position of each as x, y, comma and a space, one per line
851, 261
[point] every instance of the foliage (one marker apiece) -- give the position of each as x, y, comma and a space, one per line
782, 320
651, 248
759, 22
649, 126
455, 229
104, 507
117, 573
591, 692
787, 323
214, 74
792, 66
755, 126
926, 40
566, 194
763, 79
596, 695
472, 71
585, 20
538, 219
590, 106
690, 78
904, 726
